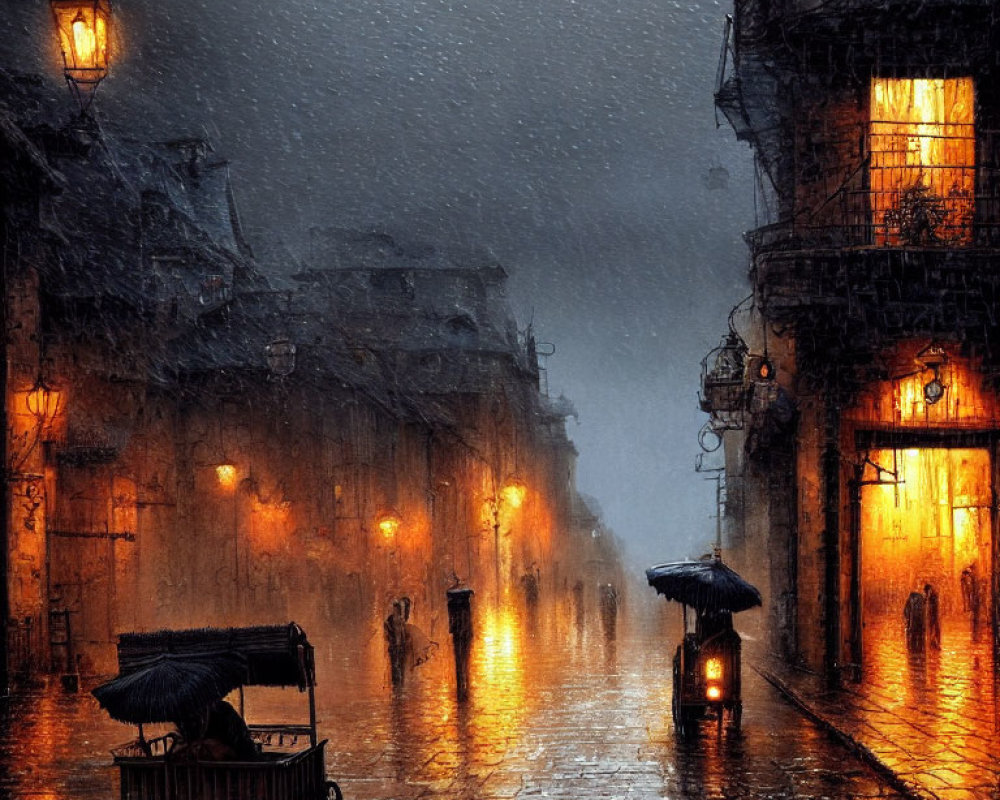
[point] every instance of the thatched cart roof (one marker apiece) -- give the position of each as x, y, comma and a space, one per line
276, 655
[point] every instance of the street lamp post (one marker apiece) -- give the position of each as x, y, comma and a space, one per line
512, 494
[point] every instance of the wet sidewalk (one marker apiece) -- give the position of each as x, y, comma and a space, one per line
927, 721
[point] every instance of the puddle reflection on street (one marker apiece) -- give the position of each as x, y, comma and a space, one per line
560, 703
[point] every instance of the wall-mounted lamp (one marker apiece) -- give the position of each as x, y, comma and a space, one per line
513, 493
84, 28
933, 357
226, 473
280, 357
388, 523
43, 401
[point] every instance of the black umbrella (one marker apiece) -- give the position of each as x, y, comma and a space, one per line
171, 687
707, 585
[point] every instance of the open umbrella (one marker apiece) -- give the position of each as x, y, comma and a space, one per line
170, 687
707, 585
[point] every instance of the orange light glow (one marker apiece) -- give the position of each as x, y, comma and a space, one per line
927, 521
713, 693
513, 494
501, 652
713, 669
226, 473
923, 157
902, 401
388, 524
83, 36
43, 402
84, 40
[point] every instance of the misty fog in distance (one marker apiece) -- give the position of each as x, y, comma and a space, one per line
570, 139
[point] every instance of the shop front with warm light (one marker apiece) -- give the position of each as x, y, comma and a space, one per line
920, 514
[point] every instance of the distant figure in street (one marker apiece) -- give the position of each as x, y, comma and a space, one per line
966, 581
460, 628
578, 603
970, 595
395, 637
933, 616
529, 581
609, 610
913, 616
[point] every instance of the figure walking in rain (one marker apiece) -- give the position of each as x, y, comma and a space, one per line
609, 610
395, 637
970, 595
913, 616
460, 628
933, 611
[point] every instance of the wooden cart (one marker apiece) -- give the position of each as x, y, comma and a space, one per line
290, 761
706, 673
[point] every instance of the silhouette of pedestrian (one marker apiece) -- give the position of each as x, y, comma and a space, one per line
395, 637
460, 628
933, 616
913, 615
966, 581
609, 610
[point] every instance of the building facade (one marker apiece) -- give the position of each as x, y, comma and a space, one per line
190, 442
856, 392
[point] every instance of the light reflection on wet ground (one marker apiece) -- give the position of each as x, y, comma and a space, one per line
556, 709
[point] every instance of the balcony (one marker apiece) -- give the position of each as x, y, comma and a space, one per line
892, 290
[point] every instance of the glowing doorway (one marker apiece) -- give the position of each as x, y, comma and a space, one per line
925, 519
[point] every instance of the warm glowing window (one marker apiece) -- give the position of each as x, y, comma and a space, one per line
922, 168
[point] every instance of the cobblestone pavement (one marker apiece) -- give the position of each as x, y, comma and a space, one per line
560, 707
930, 718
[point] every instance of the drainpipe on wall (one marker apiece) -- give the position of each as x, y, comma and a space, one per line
831, 542
854, 492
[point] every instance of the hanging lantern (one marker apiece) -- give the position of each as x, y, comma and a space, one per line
83, 27
43, 401
762, 368
933, 389
933, 357
280, 356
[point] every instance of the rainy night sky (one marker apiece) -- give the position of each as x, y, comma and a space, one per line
571, 139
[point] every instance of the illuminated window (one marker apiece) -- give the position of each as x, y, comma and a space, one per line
923, 157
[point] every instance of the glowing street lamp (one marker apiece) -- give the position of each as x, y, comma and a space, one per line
512, 494
226, 473
83, 27
388, 523
43, 401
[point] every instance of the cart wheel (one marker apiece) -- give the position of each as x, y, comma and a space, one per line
333, 791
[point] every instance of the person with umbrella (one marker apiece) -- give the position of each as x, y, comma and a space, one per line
188, 692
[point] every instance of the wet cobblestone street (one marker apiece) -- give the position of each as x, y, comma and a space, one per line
559, 708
